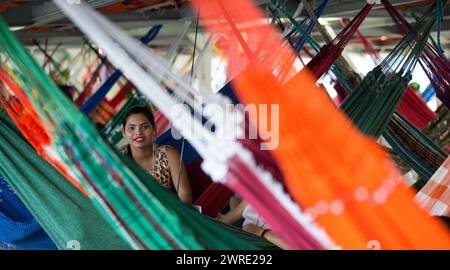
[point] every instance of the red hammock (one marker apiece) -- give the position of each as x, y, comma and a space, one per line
87, 91
414, 108
88, 71
24, 116
162, 123
121, 96
365, 42
329, 53
213, 197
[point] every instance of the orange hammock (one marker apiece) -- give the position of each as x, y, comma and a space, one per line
103, 113
339, 176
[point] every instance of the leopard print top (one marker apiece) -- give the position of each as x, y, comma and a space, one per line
161, 170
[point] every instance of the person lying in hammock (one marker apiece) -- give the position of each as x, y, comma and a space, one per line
253, 223
161, 162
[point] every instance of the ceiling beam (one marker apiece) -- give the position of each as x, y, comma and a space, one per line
36, 13
339, 8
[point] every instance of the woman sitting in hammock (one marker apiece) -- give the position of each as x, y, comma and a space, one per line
161, 162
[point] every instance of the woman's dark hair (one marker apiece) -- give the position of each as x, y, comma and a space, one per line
139, 109
68, 90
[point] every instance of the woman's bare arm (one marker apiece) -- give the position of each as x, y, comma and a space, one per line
179, 175
234, 215
269, 236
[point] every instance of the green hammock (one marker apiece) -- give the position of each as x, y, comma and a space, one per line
139, 209
208, 228
439, 128
372, 104
61, 209
113, 130
376, 98
362, 100
418, 150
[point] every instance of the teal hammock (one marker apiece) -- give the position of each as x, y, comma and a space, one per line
60, 208
373, 103
113, 130
402, 145
304, 35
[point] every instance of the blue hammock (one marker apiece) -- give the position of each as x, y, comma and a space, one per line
429, 93
296, 38
18, 228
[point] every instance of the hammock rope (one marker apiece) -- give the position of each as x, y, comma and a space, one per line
373, 103
328, 54
218, 155
435, 65
399, 144
63, 211
308, 150
89, 105
347, 82
139, 209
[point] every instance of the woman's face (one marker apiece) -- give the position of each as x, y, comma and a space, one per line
138, 131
